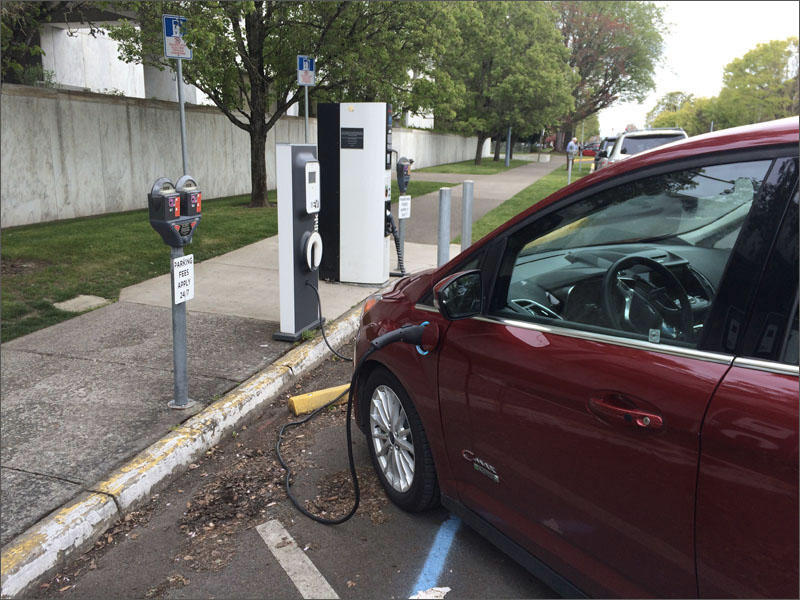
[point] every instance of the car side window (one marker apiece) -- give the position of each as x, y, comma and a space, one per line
641, 260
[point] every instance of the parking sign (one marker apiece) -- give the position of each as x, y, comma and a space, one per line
174, 46
305, 70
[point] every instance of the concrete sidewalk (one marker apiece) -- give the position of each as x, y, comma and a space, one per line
490, 191
86, 431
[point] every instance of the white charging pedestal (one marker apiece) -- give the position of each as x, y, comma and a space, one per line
355, 141
299, 241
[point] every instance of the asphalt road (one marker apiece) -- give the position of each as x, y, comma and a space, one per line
208, 535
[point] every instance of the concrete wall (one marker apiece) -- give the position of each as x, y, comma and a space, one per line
429, 149
67, 154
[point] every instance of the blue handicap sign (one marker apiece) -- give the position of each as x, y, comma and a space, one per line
174, 26
305, 63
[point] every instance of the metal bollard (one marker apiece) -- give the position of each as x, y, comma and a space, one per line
466, 213
443, 244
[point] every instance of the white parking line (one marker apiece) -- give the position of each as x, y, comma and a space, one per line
304, 575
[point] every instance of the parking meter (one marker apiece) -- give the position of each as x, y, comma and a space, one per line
164, 203
191, 196
403, 173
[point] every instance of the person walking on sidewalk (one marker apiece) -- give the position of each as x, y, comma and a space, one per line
572, 149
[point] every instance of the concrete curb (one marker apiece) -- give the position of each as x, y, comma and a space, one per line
72, 529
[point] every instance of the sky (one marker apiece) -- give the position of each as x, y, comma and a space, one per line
704, 37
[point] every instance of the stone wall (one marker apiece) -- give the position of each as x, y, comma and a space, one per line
66, 154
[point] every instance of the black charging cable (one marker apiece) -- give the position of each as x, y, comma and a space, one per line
353, 476
401, 272
322, 324
410, 334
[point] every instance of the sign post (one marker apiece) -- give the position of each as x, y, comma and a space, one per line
174, 47
182, 266
306, 77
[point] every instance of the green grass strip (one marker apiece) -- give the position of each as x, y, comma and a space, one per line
488, 166
51, 262
532, 194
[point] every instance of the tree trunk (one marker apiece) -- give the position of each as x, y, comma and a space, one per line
560, 141
258, 167
511, 147
479, 149
497, 142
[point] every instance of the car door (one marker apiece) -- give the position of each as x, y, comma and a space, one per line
583, 435
747, 504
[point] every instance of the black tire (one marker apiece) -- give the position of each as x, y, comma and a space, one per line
413, 493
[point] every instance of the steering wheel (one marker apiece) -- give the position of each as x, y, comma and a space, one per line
646, 305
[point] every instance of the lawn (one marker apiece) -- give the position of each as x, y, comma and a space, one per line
51, 262
418, 188
522, 201
468, 167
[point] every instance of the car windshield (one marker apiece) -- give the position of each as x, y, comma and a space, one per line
700, 207
634, 145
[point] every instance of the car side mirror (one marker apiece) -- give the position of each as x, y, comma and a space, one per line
459, 296
603, 154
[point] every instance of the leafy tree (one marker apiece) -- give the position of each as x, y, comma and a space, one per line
245, 56
590, 127
508, 68
695, 116
614, 48
669, 102
761, 85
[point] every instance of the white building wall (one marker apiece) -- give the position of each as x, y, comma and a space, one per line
79, 60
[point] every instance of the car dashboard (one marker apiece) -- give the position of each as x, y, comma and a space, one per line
569, 286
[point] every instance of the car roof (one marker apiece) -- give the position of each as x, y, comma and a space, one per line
772, 133
653, 132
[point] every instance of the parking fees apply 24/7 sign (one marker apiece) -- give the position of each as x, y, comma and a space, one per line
174, 46
183, 278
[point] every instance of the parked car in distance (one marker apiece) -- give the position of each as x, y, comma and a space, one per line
634, 142
591, 148
602, 152
610, 389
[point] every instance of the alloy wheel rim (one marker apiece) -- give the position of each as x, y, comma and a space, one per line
391, 438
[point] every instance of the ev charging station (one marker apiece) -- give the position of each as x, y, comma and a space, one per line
355, 146
299, 241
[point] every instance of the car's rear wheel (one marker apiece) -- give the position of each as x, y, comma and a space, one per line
397, 444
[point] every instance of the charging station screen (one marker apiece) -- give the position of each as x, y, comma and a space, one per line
312, 177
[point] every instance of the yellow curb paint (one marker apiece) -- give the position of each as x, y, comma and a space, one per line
51, 541
305, 403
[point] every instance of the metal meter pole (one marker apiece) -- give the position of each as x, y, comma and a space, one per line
466, 213
179, 371
305, 87
183, 116
508, 146
443, 242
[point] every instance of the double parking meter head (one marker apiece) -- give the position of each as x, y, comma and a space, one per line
403, 173
168, 207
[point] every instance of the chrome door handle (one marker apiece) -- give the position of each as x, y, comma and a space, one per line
640, 418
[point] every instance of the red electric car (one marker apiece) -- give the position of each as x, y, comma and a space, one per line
612, 394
